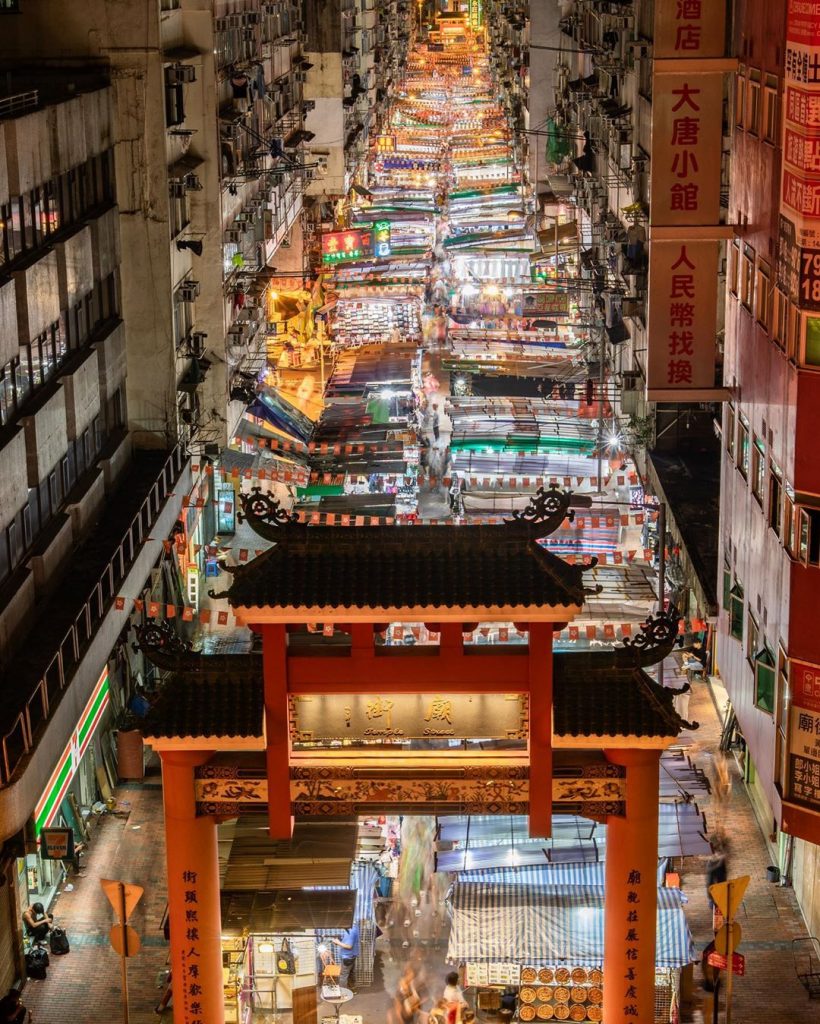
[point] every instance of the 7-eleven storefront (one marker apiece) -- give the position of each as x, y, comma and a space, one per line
69, 795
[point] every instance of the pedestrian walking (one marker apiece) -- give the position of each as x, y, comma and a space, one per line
436, 427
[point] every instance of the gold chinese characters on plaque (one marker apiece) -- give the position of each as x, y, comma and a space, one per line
400, 716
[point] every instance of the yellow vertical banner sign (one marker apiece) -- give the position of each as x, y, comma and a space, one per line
684, 221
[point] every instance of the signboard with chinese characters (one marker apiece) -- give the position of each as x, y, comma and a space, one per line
804, 733
686, 142
556, 303
381, 238
682, 311
476, 14
338, 246
689, 28
403, 716
687, 128
800, 174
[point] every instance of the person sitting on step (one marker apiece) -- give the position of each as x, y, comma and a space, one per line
38, 922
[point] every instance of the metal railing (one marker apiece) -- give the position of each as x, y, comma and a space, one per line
11, 106
20, 739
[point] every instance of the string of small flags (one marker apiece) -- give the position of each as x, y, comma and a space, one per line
320, 447
607, 631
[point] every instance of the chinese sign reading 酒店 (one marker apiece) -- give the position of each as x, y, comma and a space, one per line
804, 734
687, 120
408, 716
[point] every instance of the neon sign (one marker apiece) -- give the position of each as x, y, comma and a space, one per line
381, 238
339, 246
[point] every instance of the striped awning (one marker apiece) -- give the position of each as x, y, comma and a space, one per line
548, 874
502, 923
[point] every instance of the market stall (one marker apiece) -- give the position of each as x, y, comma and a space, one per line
547, 942
270, 949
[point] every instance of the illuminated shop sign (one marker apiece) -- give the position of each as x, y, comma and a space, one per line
408, 716
381, 238
49, 804
339, 246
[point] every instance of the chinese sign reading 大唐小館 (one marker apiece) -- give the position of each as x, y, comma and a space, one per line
687, 128
408, 716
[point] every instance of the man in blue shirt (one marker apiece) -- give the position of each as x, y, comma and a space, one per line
350, 946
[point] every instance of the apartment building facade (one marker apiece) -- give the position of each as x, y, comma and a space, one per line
768, 645
82, 511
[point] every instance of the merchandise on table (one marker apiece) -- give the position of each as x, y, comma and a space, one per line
366, 321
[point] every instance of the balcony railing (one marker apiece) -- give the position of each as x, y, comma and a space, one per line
38, 703
13, 106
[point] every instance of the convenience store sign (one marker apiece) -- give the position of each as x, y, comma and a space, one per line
49, 804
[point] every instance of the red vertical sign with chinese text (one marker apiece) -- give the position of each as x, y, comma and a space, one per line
800, 178
804, 734
687, 119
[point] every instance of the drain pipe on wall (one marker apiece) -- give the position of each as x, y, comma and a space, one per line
788, 862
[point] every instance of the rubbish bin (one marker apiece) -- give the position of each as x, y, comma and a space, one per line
772, 873
130, 763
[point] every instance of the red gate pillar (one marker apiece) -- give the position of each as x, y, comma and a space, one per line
277, 731
632, 893
193, 895
540, 714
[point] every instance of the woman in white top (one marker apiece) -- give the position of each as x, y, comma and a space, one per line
452, 989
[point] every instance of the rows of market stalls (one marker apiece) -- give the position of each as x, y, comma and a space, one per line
526, 916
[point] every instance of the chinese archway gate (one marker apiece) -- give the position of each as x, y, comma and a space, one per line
581, 732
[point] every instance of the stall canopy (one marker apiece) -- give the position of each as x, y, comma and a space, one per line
286, 910
546, 875
363, 878
500, 842
498, 923
320, 853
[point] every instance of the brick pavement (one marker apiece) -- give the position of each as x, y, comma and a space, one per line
85, 985
769, 916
